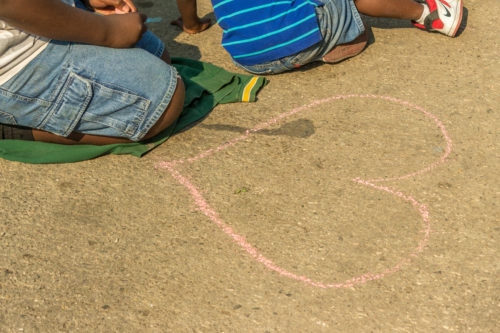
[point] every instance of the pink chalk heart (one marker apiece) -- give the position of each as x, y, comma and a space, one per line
174, 168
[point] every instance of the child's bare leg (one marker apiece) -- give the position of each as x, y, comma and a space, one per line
189, 20
444, 18
172, 112
76, 138
165, 56
400, 9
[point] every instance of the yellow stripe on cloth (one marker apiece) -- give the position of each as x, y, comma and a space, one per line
248, 89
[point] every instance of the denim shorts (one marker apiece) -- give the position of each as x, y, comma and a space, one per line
73, 87
339, 23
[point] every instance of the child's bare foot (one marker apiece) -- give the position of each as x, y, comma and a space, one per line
201, 25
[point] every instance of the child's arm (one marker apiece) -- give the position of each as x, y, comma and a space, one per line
189, 20
57, 20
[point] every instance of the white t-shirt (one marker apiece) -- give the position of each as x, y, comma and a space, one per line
17, 49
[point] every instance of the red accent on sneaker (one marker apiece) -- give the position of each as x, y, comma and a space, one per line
437, 24
445, 3
418, 25
432, 5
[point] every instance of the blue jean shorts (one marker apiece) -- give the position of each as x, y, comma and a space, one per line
339, 23
72, 87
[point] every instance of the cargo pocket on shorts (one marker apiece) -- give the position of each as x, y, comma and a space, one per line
114, 111
69, 106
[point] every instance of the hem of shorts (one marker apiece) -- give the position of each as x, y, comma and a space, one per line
359, 23
357, 17
160, 50
160, 109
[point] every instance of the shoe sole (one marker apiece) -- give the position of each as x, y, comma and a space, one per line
344, 51
458, 20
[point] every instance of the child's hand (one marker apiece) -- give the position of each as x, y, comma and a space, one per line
124, 30
107, 7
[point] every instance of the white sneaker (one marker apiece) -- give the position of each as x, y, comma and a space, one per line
444, 16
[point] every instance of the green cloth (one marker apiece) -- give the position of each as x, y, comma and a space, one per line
206, 86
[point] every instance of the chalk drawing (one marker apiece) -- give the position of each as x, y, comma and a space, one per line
206, 209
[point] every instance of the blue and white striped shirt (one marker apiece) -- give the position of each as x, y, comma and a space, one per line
258, 31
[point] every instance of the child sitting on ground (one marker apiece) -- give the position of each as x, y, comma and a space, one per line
70, 76
272, 36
